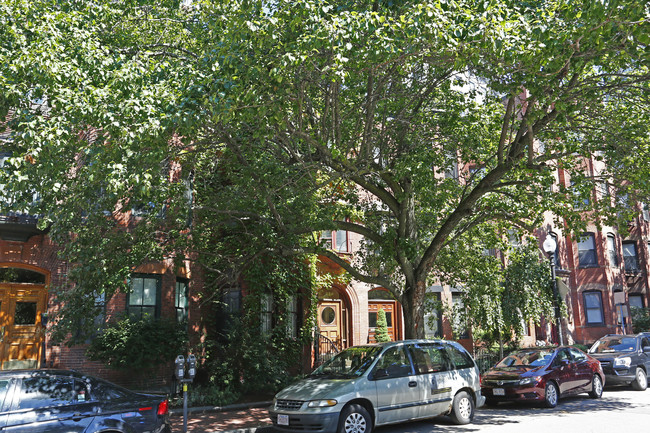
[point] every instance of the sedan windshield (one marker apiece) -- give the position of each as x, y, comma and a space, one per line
527, 359
352, 362
614, 344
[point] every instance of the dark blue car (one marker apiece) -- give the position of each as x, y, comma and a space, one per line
56, 401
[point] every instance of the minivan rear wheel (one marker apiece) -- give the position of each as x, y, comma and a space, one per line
462, 410
355, 419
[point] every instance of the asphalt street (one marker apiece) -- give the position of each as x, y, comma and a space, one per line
619, 410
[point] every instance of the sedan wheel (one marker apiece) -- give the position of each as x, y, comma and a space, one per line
640, 380
596, 387
551, 395
462, 410
355, 419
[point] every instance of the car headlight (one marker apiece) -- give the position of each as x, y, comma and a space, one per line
625, 361
529, 380
322, 403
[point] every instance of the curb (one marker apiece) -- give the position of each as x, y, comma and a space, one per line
208, 409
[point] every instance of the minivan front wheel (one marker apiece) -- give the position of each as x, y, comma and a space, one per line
640, 380
355, 419
462, 410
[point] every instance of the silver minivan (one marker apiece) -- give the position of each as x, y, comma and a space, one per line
377, 384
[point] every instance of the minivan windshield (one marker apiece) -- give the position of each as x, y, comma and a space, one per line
614, 344
352, 362
526, 359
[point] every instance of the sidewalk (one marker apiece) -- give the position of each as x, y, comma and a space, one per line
240, 418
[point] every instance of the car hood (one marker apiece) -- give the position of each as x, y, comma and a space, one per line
316, 388
610, 355
511, 373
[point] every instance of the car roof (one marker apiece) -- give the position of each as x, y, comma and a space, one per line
42, 372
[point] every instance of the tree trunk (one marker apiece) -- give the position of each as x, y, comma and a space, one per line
413, 310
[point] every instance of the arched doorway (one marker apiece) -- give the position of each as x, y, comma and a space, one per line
332, 321
23, 300
382, 299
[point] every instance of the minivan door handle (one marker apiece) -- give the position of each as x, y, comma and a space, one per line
77, 417
413, 384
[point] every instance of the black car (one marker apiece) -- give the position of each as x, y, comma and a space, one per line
625, 359
57, 401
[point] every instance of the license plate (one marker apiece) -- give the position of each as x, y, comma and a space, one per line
499, 391
283, 419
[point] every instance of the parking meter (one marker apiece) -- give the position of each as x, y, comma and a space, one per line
191, 366
179, 367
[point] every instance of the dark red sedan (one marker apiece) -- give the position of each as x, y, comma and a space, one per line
543, 375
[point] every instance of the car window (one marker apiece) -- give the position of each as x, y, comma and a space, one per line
104, 391
43, 391
614, 344
395, 362
429, 358
562, 355
527, 358
352, 362
577, 355
4, 388
460, 359
80, 393
645, 342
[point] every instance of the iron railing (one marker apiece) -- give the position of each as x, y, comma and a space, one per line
324, 349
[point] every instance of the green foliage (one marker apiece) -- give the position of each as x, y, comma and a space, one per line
130, 344
381, 332
641, 319
312, 116
245, 361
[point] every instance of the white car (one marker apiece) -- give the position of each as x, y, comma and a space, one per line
378, 384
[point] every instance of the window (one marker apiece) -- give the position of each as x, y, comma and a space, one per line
292, 319
645, 211
266, 313
459, 323
587, 251
181, 300
580, 201
577, 355
635, 300
341, 238
593, 308
460, 359
337, 241
429, 358
611, 251
630, 259
41, 391
372, 319
433, 316
144, 298
514, 239
395, 362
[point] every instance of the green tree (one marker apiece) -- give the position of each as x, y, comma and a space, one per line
381, 332
428, 128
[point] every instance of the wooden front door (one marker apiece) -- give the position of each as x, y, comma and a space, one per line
330, 321
21, 333
390, 308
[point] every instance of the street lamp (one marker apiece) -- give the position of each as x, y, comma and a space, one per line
549, 246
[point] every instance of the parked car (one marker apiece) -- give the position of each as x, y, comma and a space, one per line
625, 359
57, 401
377, 384
543, 375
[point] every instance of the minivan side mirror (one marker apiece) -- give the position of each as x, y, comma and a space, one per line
379, 373
646, 349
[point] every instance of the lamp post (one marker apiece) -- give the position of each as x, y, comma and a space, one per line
549, 247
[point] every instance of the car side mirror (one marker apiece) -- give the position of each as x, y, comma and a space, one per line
646, 349
380, 373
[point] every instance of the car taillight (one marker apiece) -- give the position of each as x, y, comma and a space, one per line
163, 407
